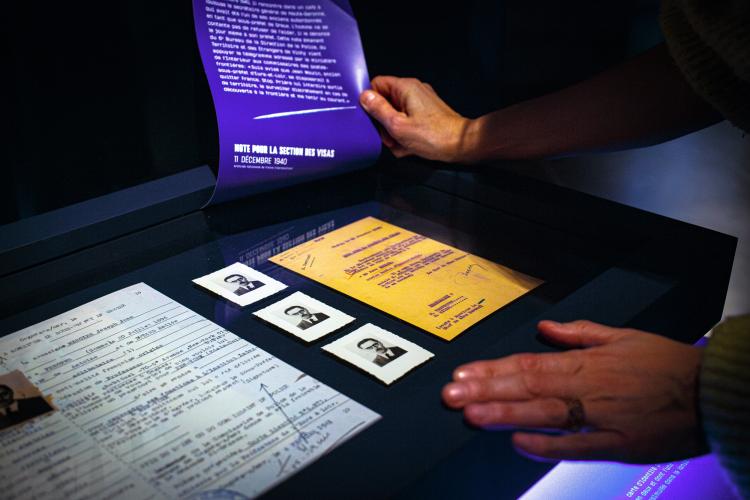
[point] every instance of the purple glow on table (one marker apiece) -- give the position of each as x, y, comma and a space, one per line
700, 477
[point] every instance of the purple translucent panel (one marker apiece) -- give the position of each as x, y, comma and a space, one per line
285, 77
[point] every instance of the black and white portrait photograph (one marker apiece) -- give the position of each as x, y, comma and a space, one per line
379, 352
20, 400
305, 317
240, 284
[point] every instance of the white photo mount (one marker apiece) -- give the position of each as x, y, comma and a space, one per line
380, 353
304, 317
240, 284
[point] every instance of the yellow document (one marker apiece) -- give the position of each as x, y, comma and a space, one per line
433, 286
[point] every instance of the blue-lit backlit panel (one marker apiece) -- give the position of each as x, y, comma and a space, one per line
700, 477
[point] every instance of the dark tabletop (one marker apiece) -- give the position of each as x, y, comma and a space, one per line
599, 260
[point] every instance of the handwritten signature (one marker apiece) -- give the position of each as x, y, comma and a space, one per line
469, 271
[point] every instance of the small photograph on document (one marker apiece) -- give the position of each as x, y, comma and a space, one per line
304, 317
20, 400
240, 284
379, 352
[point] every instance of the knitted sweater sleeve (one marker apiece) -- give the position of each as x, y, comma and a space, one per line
710, 42
724, 393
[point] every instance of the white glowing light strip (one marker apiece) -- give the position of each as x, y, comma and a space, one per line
301, 112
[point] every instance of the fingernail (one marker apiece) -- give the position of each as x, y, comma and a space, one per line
461, 375
560, 327
455, 392
367, 97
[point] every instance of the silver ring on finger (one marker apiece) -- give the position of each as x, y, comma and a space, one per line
576, 415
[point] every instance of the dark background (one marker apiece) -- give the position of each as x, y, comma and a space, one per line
100, 98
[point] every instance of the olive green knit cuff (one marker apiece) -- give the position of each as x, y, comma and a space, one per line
724, 395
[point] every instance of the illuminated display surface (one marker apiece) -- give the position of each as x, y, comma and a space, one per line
700, 477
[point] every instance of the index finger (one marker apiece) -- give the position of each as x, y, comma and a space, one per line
395, 88
554, 362
518, 387
386, 85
